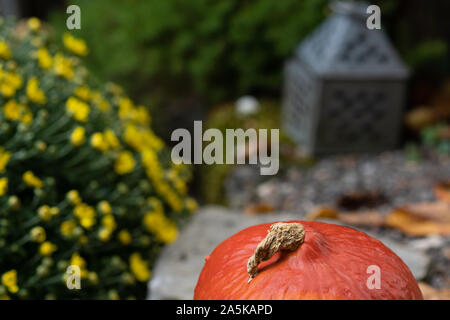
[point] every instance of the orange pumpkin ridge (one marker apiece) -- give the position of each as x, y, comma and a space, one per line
331, 263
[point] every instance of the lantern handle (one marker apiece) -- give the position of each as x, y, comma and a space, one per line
351, 8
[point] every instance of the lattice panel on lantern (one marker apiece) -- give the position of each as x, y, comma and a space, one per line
298, 102
359, 116
318, 44
361, 49
343, 46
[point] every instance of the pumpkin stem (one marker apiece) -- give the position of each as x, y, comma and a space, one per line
281, 236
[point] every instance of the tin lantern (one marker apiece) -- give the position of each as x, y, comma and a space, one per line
344, 87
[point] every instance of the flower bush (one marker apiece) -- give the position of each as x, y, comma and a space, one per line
84, 181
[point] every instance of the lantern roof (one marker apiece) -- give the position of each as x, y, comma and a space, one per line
344, 47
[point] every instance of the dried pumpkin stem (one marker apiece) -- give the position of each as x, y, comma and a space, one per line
281, 236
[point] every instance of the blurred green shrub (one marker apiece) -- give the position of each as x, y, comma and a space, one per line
210, 50
83, 179
438, 137
428, 55
222, 117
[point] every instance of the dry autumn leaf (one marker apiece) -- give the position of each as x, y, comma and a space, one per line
322, 212
362, 218
437, 211
420, 117
421, 219
429, 293
357, 218
259, 208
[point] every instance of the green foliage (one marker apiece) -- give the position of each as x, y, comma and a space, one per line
224, 117
427, 53
210, 50
84, 181
437, 137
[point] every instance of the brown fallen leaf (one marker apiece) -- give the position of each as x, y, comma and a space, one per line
362, 218
421, 219
357, 218
430, 293
438, 211
322, 212
442, 190
420, 117
259, 208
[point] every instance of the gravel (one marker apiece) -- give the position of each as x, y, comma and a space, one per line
300, 190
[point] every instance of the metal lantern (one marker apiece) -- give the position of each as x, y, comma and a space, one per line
344, 87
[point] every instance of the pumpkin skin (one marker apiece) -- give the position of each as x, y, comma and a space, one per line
331, 263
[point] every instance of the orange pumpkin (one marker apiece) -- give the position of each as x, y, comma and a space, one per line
327, 262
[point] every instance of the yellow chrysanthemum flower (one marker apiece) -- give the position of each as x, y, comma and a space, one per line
125, 163
83, 92
74, 197
31, 180
38, 234
104, 234
10, 82
191, 204
139, 267
47, 248
98, 141
78, 136
86, 215
111, 139
141, 139
77, 260
63, 66
109, 222
17, 112
164, 229
77, 46
27, 117
44, 213
3, 186
67, 228
34, 93
45, 60
104, 207
14, 203
34, 23
79, 109
124, 237
93, 277
9, 280
4, 158
100, 102
5, 53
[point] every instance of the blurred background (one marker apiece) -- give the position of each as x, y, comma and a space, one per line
194, 60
